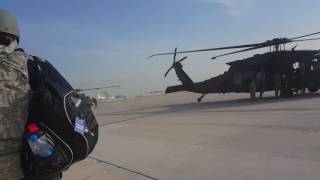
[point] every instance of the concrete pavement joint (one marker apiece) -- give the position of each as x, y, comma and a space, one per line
120, 167
125, 120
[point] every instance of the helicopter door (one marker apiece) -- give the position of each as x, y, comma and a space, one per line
237, 78
248, 75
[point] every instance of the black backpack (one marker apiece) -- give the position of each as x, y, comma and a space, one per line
54, 108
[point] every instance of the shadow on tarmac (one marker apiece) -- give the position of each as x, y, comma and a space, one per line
237, 105
231, 105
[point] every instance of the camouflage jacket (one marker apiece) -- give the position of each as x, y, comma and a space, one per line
14, 100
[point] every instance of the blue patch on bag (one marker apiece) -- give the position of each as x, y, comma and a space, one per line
79, 126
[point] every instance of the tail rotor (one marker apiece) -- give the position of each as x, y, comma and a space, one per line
174, 62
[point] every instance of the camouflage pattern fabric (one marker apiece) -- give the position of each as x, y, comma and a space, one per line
14, 100
10, 167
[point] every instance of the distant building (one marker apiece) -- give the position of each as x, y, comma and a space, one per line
101, 97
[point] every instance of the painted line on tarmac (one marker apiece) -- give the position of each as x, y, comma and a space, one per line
120, 167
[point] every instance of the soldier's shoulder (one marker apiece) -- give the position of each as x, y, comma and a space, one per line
37, 58
21, 54
29, 57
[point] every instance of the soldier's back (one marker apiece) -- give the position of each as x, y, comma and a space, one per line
14, 100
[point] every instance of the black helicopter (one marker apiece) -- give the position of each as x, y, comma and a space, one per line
92, 100
298, 69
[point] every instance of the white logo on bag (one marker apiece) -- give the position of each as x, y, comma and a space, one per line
76, 101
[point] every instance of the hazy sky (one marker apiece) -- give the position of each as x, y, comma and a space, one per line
107, 42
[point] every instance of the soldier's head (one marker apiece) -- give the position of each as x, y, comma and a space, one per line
9, 32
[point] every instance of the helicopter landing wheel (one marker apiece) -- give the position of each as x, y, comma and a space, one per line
201, 97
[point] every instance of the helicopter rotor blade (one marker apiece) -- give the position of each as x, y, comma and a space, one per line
264, 44
209, 49
273, 42
301, 40
165, 75
182, 59
243, 50
298, 37
175, 55
174, 61
88, 89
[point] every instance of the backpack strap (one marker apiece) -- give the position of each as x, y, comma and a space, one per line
42, 71
36, 80
36, 76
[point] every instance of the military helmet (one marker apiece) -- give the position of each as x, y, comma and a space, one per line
8, 23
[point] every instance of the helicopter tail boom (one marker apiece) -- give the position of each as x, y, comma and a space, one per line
172, 89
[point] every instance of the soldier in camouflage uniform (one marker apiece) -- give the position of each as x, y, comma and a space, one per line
14, 97
14, 101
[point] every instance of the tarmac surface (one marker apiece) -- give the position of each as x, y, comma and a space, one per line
225, 137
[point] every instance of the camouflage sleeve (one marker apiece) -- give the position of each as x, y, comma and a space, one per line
10, 167
14, 102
